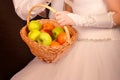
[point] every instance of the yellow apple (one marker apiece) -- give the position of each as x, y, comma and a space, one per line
34, 25
44, 39
34, 35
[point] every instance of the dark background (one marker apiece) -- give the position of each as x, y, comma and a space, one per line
14, 53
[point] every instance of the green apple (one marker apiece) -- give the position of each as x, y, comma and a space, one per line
44, 39
34, 25
56, 31
34, 35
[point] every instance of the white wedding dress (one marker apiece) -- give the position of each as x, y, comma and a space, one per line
95, 56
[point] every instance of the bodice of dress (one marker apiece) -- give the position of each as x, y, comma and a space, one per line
87, 7
93, 7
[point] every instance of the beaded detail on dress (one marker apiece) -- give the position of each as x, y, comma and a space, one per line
96, 34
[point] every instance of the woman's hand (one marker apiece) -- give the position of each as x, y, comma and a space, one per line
63, 19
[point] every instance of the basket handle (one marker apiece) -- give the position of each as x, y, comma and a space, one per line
54, 11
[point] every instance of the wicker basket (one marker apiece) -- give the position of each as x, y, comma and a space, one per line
47, 53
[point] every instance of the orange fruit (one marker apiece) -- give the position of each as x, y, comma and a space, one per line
62, 38
54, 44
47, 26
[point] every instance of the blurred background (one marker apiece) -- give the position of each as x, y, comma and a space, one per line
14, 53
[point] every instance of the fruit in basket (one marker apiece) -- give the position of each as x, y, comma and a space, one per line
34, 25
62, 37
55, 44
34, 35
44, 39
49, 32
56, 31
47, 26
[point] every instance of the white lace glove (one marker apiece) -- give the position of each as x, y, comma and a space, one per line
63, 18
97, 21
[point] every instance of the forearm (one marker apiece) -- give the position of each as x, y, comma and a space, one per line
116, 18
23, 6
67, 8
96, 21
114, 6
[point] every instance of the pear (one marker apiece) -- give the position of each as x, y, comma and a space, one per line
56, 31
44, 39
34, 25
